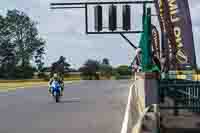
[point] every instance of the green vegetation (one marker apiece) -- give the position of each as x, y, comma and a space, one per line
89, 70
95, 70
106, 69
122, 72
19, 44
60, 66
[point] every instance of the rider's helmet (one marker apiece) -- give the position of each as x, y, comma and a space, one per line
138, 51
55, 76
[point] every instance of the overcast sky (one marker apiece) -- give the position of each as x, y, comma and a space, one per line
64, 32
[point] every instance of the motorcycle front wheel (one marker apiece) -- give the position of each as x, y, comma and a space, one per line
56, 97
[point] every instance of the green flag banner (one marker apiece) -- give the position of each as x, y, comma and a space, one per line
145, 45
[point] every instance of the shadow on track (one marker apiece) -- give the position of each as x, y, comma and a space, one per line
70, 101
65, 101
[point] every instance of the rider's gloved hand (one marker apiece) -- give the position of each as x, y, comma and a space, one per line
49, 90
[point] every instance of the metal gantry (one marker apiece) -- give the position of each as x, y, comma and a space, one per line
85, 5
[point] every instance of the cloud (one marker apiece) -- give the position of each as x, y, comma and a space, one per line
195, 15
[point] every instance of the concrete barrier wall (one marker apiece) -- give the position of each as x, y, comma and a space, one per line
133, 110
137, 107
144, 95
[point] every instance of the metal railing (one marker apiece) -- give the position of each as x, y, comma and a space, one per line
184, 92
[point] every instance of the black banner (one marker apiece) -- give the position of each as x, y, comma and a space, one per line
176, 28
167, 37
180, 17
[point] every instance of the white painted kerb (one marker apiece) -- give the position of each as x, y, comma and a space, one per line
126, 116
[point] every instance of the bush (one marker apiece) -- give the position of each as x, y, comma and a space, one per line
84, 77
117, 76
90, 69
90, 77
123, 70
97, 77
106, 71
25, 72
43, 76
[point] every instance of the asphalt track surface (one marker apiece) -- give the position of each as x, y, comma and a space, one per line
86, 107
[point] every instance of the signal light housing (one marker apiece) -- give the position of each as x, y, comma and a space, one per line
112, 17
126, 17
98, 18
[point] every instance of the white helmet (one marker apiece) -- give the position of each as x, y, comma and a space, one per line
55, 75
138, 51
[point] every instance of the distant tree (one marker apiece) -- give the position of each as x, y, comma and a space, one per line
46, 69
7, 60
62, 60
90, 69
106, 61
24, 35
19, 43
39, 59
7, 53
105, 68
123, 70
60, 66
24, 72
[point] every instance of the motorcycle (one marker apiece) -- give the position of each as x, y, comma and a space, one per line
56, 91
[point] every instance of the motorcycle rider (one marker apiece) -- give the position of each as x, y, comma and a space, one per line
136, 64
60, 81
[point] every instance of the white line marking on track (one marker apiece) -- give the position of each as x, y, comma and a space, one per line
126, 116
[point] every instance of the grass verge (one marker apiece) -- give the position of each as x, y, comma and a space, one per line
15, 84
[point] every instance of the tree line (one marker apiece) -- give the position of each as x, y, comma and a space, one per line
90, 70
93, 69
